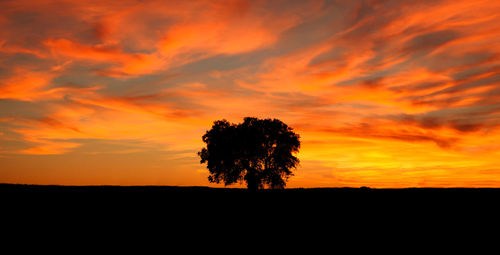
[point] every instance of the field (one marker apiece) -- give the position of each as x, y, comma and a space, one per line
226, 196
185, 208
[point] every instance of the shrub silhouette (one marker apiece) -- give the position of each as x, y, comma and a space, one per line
258, 151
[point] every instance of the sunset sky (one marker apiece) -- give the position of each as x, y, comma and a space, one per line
119, 92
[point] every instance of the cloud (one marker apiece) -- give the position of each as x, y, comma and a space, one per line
124, 63
402, 133
25, 85
136, 38
464, 120
47, 147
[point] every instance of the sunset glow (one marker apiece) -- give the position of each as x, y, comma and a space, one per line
382, 93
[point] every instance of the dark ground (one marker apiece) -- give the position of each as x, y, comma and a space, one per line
211, 197
173, 192
200, 210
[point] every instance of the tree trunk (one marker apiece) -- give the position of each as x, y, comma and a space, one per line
252, 183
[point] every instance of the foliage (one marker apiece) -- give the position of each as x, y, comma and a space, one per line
258, 151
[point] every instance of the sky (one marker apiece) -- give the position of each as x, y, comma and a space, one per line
385, 94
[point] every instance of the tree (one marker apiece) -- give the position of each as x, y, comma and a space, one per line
258, 151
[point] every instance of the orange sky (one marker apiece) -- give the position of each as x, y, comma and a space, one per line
383, 93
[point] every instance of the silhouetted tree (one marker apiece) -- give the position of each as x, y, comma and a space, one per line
258, 151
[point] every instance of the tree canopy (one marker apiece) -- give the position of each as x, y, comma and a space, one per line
258, 151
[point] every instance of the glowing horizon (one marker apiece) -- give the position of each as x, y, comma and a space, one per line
382, 93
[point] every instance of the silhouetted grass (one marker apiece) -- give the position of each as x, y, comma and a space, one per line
230, 208
207, 195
